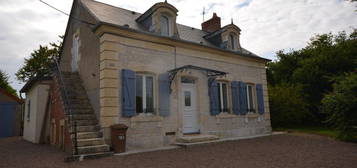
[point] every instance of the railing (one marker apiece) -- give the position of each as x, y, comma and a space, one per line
67, 108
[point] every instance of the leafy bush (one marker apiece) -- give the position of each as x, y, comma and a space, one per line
341, 106
287, 106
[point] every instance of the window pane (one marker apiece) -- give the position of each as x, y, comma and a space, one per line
233, 42
139, 93
164, 25
225, 102
219, 97
250, 96
187, 98
187, 80
149, 94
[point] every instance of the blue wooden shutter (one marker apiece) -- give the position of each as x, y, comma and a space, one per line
213, 95
235, 97
164, 94
260, 98
128, 93
243, 98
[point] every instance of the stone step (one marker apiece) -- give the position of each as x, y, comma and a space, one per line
90, 142
88, 156
196, 138
88, 128
93, 149
81, 111
85, 122
83, 117
88, 135
75, 107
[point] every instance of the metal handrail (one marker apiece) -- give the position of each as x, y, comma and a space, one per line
66, 102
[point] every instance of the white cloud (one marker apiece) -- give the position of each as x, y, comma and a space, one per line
267, 26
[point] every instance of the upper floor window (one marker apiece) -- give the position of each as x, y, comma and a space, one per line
164, 25
251, 98
222, 96
144, 93
232, 39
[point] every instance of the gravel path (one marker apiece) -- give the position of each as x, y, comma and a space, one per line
279, 151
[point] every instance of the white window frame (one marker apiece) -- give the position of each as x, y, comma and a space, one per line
220, 86
144, 75
254, 98
168, 25
232, 38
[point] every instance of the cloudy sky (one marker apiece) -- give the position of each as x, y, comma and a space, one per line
267, 26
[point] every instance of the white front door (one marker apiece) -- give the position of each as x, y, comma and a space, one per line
190, 123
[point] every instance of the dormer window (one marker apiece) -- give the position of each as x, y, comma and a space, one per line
232, 39
164, 25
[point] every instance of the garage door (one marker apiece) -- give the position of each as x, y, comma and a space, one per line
7, 119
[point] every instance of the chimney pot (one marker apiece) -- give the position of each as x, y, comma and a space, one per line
212, 24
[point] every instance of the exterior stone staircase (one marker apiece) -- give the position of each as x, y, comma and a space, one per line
90, 141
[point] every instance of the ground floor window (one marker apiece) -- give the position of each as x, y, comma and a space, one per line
222, 96
144, 93
251, 98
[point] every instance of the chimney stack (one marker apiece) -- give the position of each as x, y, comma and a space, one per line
212, 25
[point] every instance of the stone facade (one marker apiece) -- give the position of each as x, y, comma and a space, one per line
149, 131
107, 49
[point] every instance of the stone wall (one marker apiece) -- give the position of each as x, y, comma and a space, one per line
148, 131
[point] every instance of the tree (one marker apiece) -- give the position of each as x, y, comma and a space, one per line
4, 83
40, 63
341, 106
287, 106
312, 68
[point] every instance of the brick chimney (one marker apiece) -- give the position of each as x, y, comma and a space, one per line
212, 25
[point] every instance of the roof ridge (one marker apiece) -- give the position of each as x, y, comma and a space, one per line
137, 12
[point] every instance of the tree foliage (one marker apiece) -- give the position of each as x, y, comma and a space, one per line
5, 84
287, 106
341, 106
313, 69
40, 62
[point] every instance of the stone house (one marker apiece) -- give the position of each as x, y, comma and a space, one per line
169, 83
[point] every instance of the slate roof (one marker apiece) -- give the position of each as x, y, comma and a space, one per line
118, 16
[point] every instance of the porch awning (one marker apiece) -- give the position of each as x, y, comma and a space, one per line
211, 73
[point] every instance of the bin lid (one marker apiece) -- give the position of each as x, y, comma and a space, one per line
119, 126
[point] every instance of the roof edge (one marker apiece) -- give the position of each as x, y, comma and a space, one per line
252, 56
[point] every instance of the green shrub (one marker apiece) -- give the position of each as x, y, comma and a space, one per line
287, 106
341, 106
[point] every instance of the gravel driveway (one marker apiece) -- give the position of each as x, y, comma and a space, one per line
279, 151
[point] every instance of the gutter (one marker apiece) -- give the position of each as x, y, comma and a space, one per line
99, 24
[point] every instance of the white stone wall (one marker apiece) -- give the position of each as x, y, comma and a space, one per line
38, 95
149, 131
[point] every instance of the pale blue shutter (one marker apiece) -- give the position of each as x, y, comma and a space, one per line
213, 95
128, 93
235, 97
164, 94
260, 98
243, 98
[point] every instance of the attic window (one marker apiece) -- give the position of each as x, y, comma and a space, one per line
164, 25
232, 39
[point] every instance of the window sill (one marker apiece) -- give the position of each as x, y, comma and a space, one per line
226, 115
252, 115
146, 117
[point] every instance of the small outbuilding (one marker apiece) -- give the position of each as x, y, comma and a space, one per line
36, 102
10, 114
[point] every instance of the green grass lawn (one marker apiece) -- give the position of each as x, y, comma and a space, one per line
311, 130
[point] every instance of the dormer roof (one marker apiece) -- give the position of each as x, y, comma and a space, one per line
155, 7
111, 15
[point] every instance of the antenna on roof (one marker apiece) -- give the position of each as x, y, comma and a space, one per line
231, 20
203, 14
